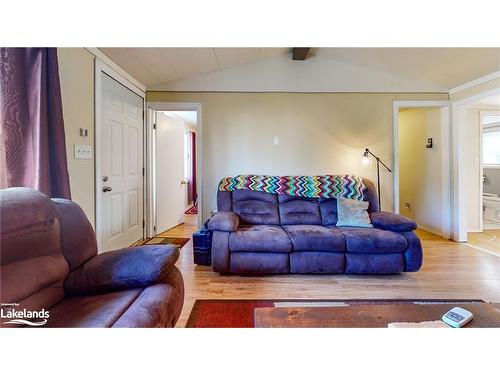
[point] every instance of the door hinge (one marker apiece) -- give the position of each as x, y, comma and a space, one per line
143, 114
143, 224
154, 228
154, 126
143, 171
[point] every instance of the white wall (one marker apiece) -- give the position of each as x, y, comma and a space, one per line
420, 176
169, 160
472, 172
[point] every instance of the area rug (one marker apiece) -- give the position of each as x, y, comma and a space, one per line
180, 242
192, 210
230, 313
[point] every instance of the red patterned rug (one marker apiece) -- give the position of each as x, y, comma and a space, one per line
230, 313
192, 210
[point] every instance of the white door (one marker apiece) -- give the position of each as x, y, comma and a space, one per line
120, 183
171, 187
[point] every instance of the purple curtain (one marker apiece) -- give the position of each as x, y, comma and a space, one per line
32, 148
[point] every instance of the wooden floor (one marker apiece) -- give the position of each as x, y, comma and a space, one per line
488, 240
450, 270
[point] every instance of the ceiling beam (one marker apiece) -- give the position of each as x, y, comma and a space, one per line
300, 53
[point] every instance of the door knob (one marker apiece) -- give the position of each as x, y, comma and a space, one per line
105, 189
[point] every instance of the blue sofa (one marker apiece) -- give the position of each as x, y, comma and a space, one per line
261, 233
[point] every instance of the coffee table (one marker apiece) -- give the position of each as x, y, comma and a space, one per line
486, 315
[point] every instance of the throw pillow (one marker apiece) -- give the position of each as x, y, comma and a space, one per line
352, 213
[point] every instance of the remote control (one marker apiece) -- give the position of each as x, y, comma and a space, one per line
457, 317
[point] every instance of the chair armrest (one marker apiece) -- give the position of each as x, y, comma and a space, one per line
391, 221
224, 221
132, 267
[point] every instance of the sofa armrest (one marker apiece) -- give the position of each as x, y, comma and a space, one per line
132, 267
391, 221
224, 221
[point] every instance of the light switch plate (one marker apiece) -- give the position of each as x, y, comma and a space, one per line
83, 152
276, 140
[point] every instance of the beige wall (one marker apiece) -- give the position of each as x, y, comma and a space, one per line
319, 133
420, 168
76, 70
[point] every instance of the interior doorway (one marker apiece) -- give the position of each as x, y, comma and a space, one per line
482, 120
422, 164
175, 196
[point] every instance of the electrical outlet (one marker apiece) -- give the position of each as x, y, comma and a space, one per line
276, 140
83, 152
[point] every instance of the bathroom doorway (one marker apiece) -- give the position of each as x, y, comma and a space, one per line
483, 152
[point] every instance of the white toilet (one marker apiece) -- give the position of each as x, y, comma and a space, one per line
491, 207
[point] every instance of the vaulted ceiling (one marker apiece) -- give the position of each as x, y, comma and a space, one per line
325, 69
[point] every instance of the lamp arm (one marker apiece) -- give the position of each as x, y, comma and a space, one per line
378, 159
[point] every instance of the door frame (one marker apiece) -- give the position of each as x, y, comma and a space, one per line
102, 68
446, 157
152, 106
458, 122
483, 112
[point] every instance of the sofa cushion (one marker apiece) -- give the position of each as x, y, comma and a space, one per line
259, 263
328, 209
101, 310
132, 267
255, 207
391, 221
315, 238
154, 307
374, 264
296, 210
224, 221
372, 240
353, 213
317, 262
260, 238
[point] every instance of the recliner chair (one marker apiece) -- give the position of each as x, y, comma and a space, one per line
49, 261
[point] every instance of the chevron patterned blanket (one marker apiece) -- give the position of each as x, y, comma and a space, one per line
326, 186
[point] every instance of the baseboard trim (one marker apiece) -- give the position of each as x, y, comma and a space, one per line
430, 230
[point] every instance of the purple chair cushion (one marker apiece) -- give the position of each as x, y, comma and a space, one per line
373, 241
123, 269
315, 238
390, 221
260, 238
295, 210
224, 221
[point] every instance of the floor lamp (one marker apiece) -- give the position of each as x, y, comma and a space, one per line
366, 160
